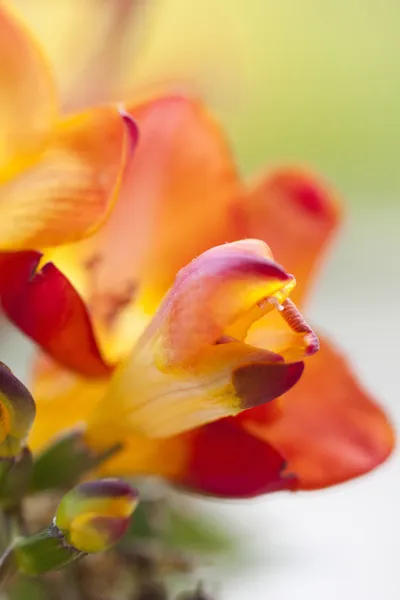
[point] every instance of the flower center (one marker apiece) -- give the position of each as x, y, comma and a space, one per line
105, 303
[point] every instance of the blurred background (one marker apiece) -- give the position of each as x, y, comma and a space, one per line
316, 83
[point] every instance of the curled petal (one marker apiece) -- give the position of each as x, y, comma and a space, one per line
328, 429
95, 515
67, 193
221, 287
296, 214
187, 369
27, 98
17, 413
45, 306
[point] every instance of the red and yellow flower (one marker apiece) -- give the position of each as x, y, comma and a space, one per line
175, 340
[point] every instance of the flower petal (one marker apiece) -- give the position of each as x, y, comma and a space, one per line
63, 400
45, 306
17, 411
296, 214
27, 96
221, 287
66, 194
185, 370
174, 199
226, 461
220, 459
328, 429
229, 378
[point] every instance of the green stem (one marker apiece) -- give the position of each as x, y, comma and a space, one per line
43, 551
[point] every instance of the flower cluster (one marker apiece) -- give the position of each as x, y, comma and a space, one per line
170, 336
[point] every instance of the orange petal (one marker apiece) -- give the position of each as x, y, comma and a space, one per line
69, 191
186, 369
173, 202
296, 215
328, 429
63, 400
45, 306
27, 98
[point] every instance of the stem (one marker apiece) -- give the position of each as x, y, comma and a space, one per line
8, 567
16, 522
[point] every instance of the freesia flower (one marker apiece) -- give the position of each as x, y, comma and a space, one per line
189, 350
59, 175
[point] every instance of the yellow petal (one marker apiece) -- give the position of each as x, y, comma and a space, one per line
183, 372
27, 96
63, 400
69, 191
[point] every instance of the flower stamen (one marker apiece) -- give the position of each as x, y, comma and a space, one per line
298, 324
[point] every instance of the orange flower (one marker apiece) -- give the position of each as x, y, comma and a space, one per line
58, 176
171, 380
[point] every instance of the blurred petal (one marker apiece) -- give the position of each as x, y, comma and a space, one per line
99, 73
69, 191
27, 96
226, 461
328, 429
63, 400
174, 200
142, 456
45, 306
220, 459
186, 369
296, 214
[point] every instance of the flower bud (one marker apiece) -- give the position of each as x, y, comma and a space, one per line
17, 413
96, 514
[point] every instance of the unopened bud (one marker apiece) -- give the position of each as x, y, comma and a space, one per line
90, 518
17, 413
96, 514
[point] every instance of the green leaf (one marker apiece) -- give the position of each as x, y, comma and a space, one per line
140, 526
61, 465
